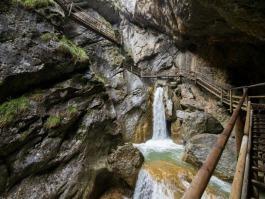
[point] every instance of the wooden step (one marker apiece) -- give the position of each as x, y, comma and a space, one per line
258, 169
258, 184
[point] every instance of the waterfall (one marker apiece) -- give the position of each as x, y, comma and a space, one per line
161, 148
159, 117
148, 188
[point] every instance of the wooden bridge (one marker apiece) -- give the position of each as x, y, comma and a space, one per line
249, 179
89, 21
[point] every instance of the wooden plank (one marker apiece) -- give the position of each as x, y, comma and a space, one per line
240, 168
231, 100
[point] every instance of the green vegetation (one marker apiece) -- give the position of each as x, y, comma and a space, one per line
67, 46
10, 109
52, 122
32, 4
71, 110
78, 54
49, 36
100, 78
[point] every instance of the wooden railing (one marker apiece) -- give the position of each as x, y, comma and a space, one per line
89, 21
225, 92
240, 182
201, 180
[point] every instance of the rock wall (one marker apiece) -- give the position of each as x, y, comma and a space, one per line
67, 102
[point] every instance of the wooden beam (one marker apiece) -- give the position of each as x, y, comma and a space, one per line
231, 100
239, 132
237, 184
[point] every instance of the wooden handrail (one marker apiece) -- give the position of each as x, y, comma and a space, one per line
240, 167
204, 174
250, 86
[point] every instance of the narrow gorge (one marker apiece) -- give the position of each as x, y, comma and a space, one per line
125, 99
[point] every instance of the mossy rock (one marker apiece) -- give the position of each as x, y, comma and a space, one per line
71, 110
52, 122
67, 46
78, 53
33, 4
10, 109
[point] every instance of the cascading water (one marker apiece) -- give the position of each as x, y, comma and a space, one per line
159, 117
160, 151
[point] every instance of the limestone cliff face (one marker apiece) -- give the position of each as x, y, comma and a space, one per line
223, 34
65, 104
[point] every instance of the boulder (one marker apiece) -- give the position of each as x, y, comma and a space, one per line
199, 146
126, 162
181, 115
186, 91
199, 123
191, 104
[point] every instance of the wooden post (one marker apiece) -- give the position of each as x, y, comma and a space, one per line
200, 181
240, 167
247, 98
239, 132
231, 100
246, 173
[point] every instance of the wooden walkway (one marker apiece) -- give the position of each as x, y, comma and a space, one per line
225, 93
87, 20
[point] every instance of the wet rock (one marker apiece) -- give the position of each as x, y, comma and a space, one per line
27, 56
199, 146
191, 104
126, 162
186, 91
182, 115
71, 126
199, 123
176, 133
170, 180
116, 193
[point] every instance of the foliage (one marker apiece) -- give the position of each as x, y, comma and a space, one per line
78, 54
32, 4
67, 46
10, 109
52, 122
72, 110
49, 36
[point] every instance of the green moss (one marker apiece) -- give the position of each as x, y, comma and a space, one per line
48, 37
71, 110
67, 46
10, 109
100, 78
78, 54
33, 3
52, 122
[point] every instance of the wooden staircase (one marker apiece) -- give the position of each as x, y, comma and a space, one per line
94, 24
257, 155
